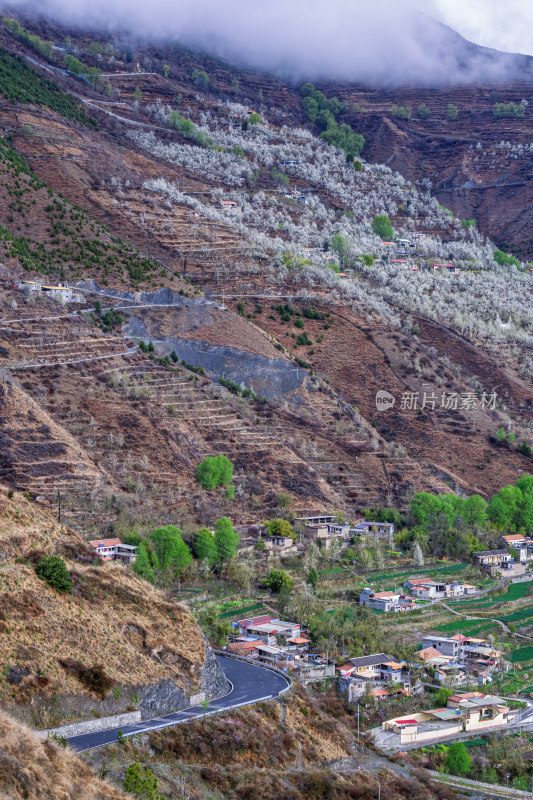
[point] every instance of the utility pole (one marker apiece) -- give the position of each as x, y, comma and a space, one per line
379, 789
58, 506
358, 721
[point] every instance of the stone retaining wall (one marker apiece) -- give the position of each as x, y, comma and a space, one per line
93, 725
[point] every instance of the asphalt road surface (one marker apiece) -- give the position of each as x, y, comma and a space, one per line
250, 684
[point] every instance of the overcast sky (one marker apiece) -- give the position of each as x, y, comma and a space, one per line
503, 24
385, 41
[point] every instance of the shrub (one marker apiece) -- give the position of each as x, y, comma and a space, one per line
468, 223
516, 110
424, 111
53, 570
281, 527
451, 111
214, 471
279, 581
303, 339
403, 112
141, 782
200, 78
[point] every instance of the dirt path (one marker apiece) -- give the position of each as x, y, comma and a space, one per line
490, 619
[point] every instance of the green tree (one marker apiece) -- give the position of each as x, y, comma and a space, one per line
53, 570
133, 538
424, 111
312, 578
142, 565
214, 471
342, 246
254, 119
451, 111
166, 70
281, 527
141, 782
503, 259
137, 94
200, 78
457, 761
205, 547
171, 552
381, 226
279, 581
226, 540
441, 698
504, 508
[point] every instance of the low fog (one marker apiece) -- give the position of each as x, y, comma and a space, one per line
383, 41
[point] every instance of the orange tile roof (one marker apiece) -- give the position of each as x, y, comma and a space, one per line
429, 653
514, 537
105, 542
379, 693
299, 640
393, 664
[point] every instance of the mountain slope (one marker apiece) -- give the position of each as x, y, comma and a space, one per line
62, 654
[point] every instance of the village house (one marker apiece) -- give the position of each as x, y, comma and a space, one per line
464, 649
230, 205
372, 674
472, 711
267, 628
317, 519
64, 294
518, 546
385, 601
427, 589
377, 530
498, 562
114, 550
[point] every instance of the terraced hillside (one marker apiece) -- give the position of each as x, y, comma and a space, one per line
170, 191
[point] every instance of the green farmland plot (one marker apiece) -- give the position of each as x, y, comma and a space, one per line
522, 655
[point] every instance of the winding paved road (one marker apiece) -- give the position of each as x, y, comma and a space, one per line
250, 683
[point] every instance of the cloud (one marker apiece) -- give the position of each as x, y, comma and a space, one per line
505, 26
383, 41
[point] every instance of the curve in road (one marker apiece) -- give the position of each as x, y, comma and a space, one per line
250, 683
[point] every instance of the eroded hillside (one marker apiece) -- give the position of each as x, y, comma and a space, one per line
113, 638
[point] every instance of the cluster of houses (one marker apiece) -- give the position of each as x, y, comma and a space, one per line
457, 659
406, 256
323, 529
511, 559
467, 712
416, 588
376, 675
276, 642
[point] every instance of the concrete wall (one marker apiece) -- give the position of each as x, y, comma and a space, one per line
408, 738
93, 725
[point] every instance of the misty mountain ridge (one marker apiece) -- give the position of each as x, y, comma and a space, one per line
381, 46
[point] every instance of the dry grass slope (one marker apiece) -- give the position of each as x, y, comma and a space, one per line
36, 769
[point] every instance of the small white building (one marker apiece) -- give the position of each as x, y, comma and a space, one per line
114, 550
65, 294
